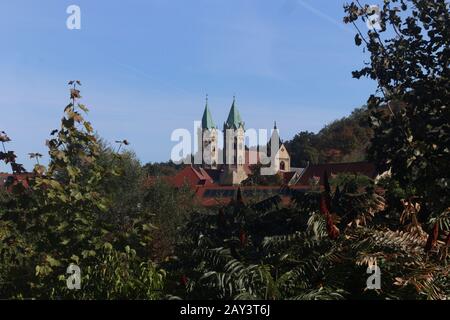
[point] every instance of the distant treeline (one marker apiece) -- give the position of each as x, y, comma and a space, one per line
156, 169
343, 140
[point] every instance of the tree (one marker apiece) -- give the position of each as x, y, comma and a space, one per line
255, 178
318, 248
409, 59
62, 219
125, 188
162, 168
347, 139
169, 208
302, 149
343, 140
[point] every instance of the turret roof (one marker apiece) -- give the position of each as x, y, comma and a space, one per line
207, 120
234, 118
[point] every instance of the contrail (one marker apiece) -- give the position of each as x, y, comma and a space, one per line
325, 16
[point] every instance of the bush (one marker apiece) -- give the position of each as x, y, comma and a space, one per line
64, 218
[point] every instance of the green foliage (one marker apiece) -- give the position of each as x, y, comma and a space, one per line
351, 179
318, 249
343, 140
169, 209
116, 274
255, 178
124, 186
410, 113
162, 168
88, 207
65, 218
303, 149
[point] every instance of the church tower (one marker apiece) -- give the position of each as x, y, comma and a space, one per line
234, 147
208, 139
234, 138
279, 157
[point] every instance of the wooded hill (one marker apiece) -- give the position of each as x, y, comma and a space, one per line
343, 140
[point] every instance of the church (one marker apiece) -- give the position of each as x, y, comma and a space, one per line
231, 163
221, 168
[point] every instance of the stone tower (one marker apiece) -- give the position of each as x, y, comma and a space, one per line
234, 147
208, 140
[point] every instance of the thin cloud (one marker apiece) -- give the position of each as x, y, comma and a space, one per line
324, 16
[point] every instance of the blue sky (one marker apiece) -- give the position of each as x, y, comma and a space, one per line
146, 66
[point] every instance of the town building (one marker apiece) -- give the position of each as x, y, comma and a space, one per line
223, 169
232, 161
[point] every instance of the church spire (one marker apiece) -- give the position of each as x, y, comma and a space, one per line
207, 121
275, 138
234, 118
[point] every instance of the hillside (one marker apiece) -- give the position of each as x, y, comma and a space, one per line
343, 140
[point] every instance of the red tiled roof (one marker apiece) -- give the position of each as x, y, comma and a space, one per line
204, 182
193, 176
23, 177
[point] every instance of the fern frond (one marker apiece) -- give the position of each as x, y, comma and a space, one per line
300, 239
213, 257
323, 293
392, 241
443, 220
